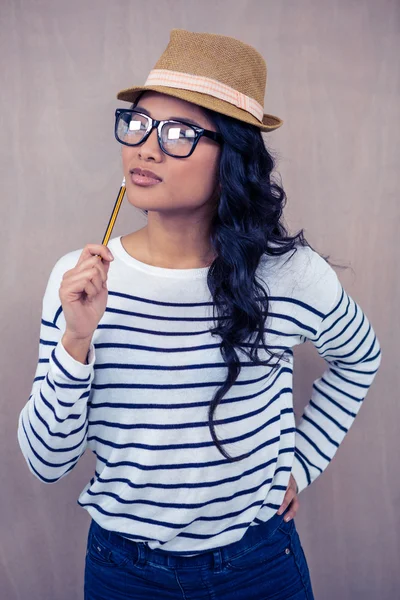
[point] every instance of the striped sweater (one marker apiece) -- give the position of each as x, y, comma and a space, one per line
141, 402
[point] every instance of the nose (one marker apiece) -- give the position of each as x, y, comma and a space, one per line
151, 145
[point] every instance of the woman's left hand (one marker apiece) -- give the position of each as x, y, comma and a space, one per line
291, 499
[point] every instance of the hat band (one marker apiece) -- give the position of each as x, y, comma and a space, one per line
205, 85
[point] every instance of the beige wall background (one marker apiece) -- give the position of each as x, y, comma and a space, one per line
333, 76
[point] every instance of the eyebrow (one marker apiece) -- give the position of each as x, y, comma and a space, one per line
146, 112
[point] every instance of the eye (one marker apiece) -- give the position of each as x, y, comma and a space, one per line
137, 123
175, 131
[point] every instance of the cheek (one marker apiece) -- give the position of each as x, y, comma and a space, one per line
192, 184
199, 174
125, 155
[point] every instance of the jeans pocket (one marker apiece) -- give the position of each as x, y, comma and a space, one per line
287, 527
104, 554
275, 548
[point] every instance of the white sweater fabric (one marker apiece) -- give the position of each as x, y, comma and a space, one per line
141, 403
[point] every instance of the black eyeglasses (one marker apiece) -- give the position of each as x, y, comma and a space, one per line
176, 138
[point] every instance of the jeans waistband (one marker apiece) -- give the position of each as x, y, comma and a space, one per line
210, 558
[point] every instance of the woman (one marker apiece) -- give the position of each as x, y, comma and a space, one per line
171, 358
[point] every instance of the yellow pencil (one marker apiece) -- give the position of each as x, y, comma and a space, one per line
114, 215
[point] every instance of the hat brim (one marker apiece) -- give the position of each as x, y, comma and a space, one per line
269, 122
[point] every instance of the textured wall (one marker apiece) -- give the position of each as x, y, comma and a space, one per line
333, 77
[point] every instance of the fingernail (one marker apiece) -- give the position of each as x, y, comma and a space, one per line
287, 519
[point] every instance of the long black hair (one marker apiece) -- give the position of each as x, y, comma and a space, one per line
247, 220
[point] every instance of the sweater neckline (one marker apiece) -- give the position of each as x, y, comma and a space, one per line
118, 249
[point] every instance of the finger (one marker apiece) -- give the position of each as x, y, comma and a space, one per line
91, 291
101, 270
74, 277
286, 501
293, 508
88, 269
89, 281
91, 261
97, 281
93, 250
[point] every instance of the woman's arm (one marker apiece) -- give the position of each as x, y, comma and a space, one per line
52, 426
346, 340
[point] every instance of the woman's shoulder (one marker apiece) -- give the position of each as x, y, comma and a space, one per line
294, 262
301, 273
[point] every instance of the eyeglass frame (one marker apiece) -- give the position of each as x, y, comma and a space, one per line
157, 124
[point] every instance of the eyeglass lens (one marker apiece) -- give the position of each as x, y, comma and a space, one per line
176, 138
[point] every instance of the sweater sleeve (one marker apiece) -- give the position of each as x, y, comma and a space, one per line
52, 426
344, 337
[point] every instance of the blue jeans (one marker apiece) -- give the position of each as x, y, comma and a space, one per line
268, 563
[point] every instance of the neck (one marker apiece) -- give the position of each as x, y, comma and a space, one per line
175, 244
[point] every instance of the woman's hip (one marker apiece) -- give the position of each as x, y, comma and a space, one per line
268, 562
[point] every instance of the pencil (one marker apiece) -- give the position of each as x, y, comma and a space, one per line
114, 215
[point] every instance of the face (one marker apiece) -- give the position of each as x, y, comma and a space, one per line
188, 184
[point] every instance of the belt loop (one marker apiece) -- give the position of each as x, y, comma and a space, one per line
217, 560
141, 552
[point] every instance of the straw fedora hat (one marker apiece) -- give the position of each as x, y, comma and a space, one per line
215, 71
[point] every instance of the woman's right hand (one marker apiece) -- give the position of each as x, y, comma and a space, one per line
83, 291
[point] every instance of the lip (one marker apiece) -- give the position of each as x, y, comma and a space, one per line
143, 181
145, 173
